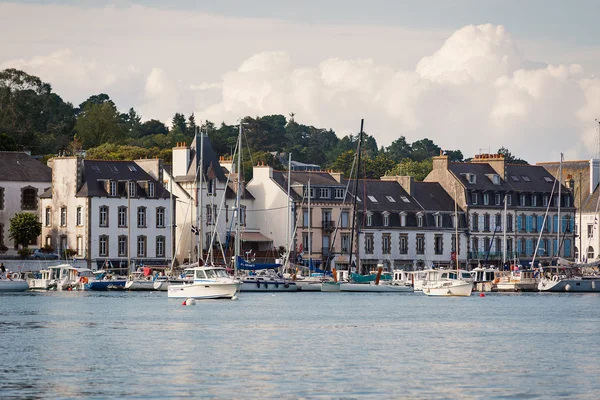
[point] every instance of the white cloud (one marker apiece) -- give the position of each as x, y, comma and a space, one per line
472, 89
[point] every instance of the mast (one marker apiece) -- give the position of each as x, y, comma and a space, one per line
288, 228
238, 236
456, 230
362, 121
199, 240
309, 226
579, 256
504, 232
559, 201
170, 236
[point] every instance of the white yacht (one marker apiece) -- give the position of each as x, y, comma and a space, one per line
208, 283
517, 280
448, 283
140, 281
61, 277
568, 279
485, 279
266, 281
377, 286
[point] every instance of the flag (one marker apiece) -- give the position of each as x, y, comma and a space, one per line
195, 230
301, 249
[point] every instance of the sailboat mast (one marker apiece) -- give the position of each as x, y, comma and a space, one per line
287, 231
504, 231
457, 248
199, 240
309, 226
238, 236
362, 121
559, 227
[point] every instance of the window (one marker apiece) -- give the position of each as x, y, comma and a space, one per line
369, 220
548, 179
453, 244
141, 246
486, 222
79, 216
326, 218
103, 222
522, 200
368, 244
498, 199
475, 245
438, 244
386, 220
498, 245
533, 200
555, 200
103, 246
63, 216
312, 193
496, 179
474, 222
474, 198
590, 230
132, 168
150, 189
1, 198
567, 201
419, 221
48, 217
339, 193
420, 244
509, 222
402, 219
486, 199
79, 246
160, 217
122, 248
385, 244
307, 247
515, 178
405, 199
131, 189
508, 200
324, 193
545, 200
305, 218
509, 247
486, 244
345, 243
113, 168
141, 217
438, 220
242, 215
226, 212
122, 217
525, 178
590, 253
498, 222
28, 198
113, 188
345, 219
390, 199
96, 168
403, 244
373, 199
160, 246
209, 214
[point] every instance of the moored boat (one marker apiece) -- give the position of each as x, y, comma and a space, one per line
12, 282
209, 282
447, 283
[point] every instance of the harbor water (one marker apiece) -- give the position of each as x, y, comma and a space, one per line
300, 345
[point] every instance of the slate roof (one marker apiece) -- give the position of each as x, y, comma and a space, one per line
580, 172
382, 192
481, 172
96, 172
432, 197
530, 178
21, 167
210, 157
230, 192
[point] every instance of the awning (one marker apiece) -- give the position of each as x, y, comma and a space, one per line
254, 237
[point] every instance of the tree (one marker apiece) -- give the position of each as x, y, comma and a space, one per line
509, 158
423, 149
7, 143
94, 99
178, 123
454, 155
344, 163
399, 149
191, 126
133, 122
417, 169
153, 127
100, 123
24, 228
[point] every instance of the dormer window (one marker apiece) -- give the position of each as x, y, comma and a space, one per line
471, 178
369, 220
402, 219
545, 200
113, 188
311, 194
150, 189
522, 200
131, 189
533, 200
438, 220
474, 197
210, 186
339, 193
386, 220
420, 220
324, 193
496, 179
498, 199
486, 199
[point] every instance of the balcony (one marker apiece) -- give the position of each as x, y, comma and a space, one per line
481, 255
328, 226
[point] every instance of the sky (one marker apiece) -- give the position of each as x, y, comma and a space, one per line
472, 75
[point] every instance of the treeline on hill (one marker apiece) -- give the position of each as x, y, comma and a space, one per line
34, 118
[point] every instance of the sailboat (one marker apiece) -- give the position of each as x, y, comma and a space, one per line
449, 282
207, 281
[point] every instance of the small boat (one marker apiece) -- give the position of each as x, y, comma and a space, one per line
13, 282
448, 283
517, 280
105, 281
569, 279
267, 282
209, 283
41, 280
139, 281
485, 279
376, 286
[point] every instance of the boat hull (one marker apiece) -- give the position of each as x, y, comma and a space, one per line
308, 286
106, 285
250, 285
203, 290
145, 284
570, 285
454, 289
373, 288
13, 286
330, 286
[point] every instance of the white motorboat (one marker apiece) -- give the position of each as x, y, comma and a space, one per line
12, 282
209, 283
61, 277
485, 279
40, 280
266, 281
139, 281
517, 280
387, 287
447, 283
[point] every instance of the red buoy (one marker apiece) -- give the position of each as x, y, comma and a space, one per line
183, 304
481, 294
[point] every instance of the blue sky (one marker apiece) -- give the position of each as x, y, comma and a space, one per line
468, 74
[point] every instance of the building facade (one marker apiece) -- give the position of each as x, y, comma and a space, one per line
111, 213
22, 181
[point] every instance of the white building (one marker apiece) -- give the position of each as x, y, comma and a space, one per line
22, 180
108, 212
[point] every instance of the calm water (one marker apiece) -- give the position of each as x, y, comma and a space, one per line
300, 345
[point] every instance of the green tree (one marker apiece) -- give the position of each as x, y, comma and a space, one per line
344, 163
94, 99
191, 126
454, 155
424, 149
509, 158
399, 149
133, 123
24, 227
178, 123
153, 127
100, 123
377, 167
417, 169
7, 143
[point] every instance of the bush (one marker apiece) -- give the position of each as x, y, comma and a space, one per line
47, 249
24, 252
69, 253
3, 249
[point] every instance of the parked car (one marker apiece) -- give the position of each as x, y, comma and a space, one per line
38, 254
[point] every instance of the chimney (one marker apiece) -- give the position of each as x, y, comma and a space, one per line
153, 167
338, 176
496, 161
405, 181
594, 174
181, 159
440, 162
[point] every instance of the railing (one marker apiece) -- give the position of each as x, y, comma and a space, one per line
328, 225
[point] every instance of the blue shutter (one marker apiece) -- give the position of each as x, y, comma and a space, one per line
519, 222
519, 247
529, 245
564, 224
540, 221
528, 223
572, 224
555, 224
567, 247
